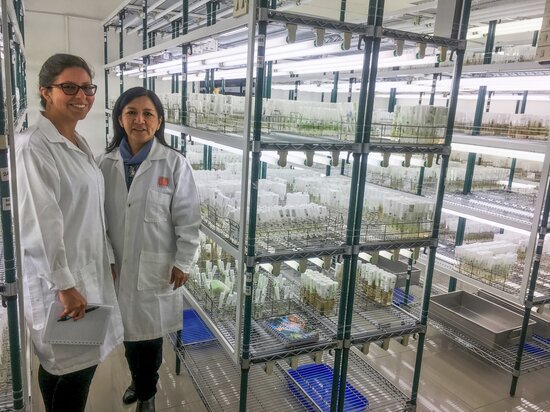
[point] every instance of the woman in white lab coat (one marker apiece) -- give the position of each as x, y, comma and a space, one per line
153, 216
63, 239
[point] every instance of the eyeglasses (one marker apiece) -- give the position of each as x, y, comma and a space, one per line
70, 89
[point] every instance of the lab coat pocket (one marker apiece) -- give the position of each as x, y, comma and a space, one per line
154, 270
87, 282
157, 208
171, 310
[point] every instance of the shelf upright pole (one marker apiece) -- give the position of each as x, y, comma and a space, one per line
365, 126
490, 42
184, 53
254, 185
342, 10
334, 92
542, 231
121, 50
519, 109
459, 240
476, 128
460, 27
145, 35
106, 80
338, 372
393, 100
9, 204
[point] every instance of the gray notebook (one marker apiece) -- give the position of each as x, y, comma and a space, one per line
90, 330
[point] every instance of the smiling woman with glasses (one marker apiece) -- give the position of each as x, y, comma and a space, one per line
63, 232
70, 89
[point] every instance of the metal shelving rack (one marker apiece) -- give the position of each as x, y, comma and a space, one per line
13, 388
356, 323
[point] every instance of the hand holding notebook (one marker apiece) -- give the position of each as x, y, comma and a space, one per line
90, 330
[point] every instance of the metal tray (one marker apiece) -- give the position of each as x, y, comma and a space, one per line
542, 320
485, 321
399, 269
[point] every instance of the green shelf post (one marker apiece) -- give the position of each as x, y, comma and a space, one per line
459, 240
365, 131
420, 181
393, 100
490, 42
253, 210
461, 21
334, 92
410, 262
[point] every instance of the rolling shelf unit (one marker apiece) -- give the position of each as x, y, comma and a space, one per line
354, 324
13, 388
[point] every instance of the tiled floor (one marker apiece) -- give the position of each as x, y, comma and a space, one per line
451, 381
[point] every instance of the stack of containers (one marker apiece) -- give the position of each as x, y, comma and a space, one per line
378, 284
319, 291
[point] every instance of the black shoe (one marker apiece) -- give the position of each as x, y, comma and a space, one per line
130, 395
146, 406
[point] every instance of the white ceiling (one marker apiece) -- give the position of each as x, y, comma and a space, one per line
93, 9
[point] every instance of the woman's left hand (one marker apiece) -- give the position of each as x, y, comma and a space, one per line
178, 278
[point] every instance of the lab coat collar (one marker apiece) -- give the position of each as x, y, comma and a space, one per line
52, 135
156, 153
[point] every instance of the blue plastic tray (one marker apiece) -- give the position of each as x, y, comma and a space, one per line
316, 382
399, 297
194, 329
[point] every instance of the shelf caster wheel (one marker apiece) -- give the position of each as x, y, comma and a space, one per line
293, 362
309, 158
302, 265
442, 54
346, 42
385, 344
374, 257
317, 357
398, 48
282, 158
405, 340
327, 260
335, 158
276, 268
407, 161
291, 32
385, 160
421, 50
429, 160
365, 347
268, 368
319, 37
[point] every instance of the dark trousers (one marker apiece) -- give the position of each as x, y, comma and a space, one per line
144, 360
69, 392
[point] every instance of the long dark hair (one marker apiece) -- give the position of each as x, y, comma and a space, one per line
123, 100
55, 65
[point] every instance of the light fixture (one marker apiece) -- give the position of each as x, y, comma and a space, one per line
496, 151
485, 221
513, 27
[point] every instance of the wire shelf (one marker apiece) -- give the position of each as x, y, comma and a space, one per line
217, 379
536, 354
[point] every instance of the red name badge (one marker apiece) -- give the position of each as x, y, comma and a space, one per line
163, 181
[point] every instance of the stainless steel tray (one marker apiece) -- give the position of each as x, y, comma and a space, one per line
542, 320
487, 322
399, 269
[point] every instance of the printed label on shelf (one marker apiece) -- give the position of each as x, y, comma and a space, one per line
261, 40
260, 62
316, 262
6, 203
5, 174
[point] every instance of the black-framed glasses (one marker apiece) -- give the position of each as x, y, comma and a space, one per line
70, 89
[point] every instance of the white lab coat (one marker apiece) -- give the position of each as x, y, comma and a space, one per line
153, 227
63, 239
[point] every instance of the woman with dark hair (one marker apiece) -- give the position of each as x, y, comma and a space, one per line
153, 215
65, 255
